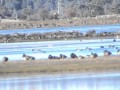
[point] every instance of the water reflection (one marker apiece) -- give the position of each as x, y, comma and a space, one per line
74, 82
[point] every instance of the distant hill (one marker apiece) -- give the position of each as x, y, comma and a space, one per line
45, 9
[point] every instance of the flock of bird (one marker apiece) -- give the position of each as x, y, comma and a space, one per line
72, 55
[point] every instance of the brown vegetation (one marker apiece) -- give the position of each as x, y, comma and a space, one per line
42, 67
101, 20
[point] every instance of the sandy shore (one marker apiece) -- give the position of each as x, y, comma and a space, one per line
45, 67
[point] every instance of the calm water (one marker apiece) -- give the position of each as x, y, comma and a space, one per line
64, 82
83, 29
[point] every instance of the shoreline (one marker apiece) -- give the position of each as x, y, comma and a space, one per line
24, 24
56, 67
83, 75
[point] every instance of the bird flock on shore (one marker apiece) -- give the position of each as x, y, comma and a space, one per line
106, 53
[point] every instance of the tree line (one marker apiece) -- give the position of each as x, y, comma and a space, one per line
55, 9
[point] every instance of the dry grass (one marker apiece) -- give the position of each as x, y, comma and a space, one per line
99, 64
59, 23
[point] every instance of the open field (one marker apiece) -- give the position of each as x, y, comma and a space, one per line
44, 67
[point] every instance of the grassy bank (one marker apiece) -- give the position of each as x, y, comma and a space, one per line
43, 67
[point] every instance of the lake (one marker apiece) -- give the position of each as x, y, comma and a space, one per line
64, 82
